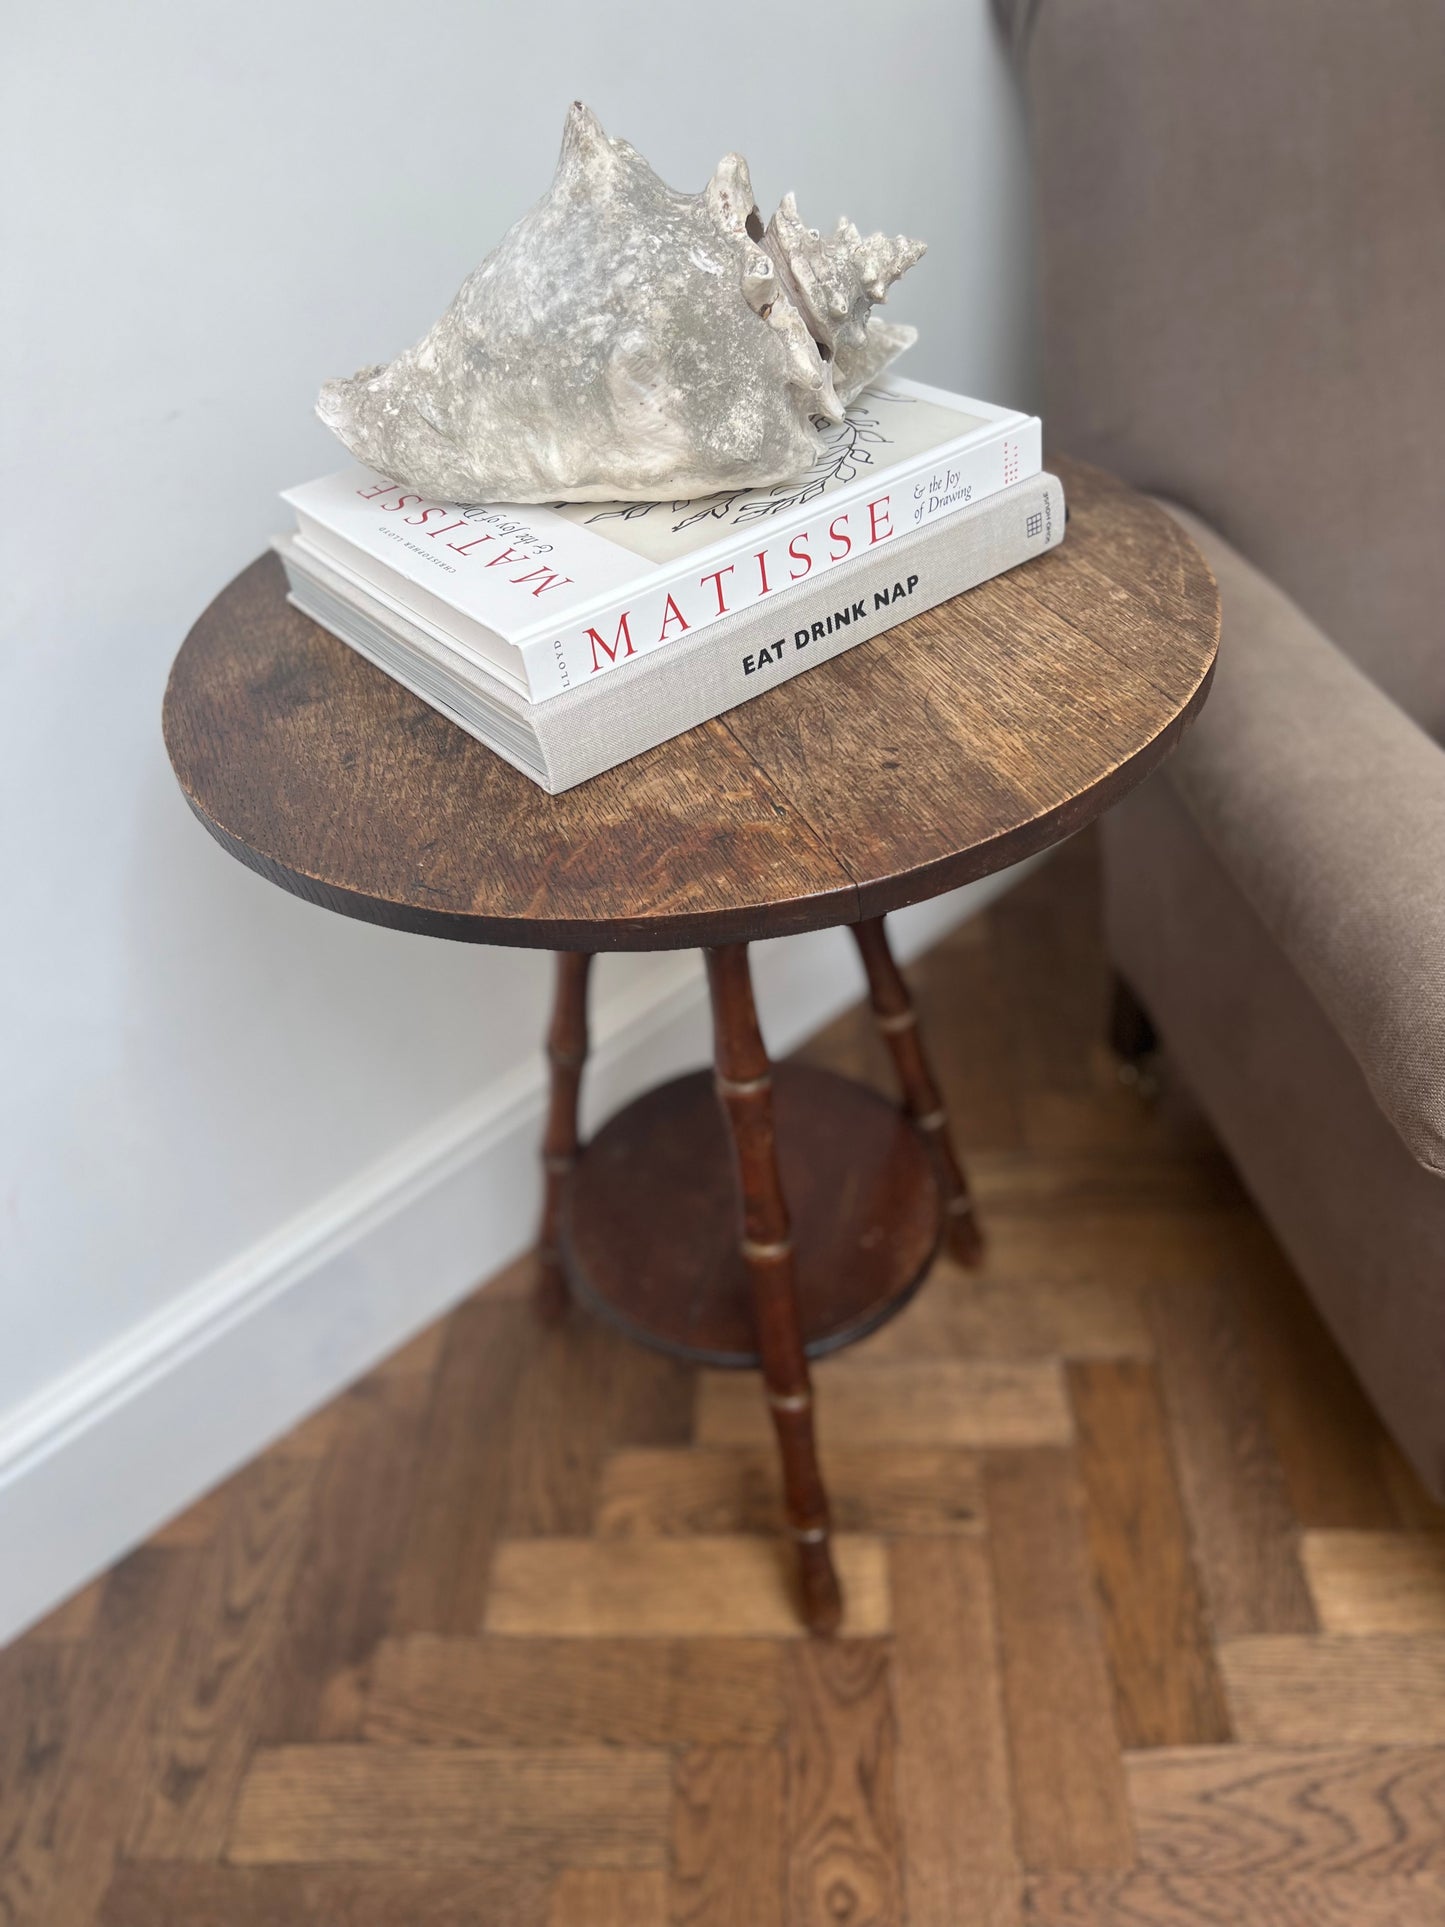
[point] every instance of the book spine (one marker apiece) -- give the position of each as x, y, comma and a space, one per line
608, 722
629, 630
410, 600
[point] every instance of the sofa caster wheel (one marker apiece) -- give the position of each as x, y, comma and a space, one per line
1133, 1040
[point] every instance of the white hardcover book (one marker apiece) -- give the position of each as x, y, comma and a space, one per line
551, 598
571, 737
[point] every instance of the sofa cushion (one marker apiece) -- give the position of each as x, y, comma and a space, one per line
1326, 803
1362, 1221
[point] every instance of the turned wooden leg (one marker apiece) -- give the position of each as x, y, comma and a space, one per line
898, 1021
566, 1053
745, 1088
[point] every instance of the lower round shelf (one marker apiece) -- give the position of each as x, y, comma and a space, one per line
650, 1217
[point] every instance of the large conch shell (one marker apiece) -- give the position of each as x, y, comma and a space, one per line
627, 342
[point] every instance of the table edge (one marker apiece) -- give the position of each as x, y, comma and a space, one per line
744, 923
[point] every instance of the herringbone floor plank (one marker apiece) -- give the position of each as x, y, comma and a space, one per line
1166, 1688
893, 1492
1147, 1614
1290, 1811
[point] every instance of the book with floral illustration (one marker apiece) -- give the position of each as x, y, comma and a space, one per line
549, 598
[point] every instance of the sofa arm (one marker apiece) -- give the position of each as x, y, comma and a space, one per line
1327, 805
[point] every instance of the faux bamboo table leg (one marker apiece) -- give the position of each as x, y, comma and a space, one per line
898, 1021
566, 1054
744, 1086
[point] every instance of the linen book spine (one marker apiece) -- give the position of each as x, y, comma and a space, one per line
607, 722
621, 634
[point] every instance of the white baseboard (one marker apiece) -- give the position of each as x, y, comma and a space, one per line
99, 1459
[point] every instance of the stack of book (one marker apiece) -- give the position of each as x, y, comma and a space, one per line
571, 637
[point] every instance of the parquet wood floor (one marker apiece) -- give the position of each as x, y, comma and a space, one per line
1146, 1616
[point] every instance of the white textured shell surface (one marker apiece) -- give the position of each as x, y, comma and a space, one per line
627, 342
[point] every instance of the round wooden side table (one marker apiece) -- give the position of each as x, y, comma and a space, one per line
802, 1210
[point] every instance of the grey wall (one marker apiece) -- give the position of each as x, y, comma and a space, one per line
207, 209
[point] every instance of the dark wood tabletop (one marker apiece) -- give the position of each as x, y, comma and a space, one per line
972, 735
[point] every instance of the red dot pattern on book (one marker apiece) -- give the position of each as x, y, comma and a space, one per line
1010, 463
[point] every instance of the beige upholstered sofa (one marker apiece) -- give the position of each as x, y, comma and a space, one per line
1241, 228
